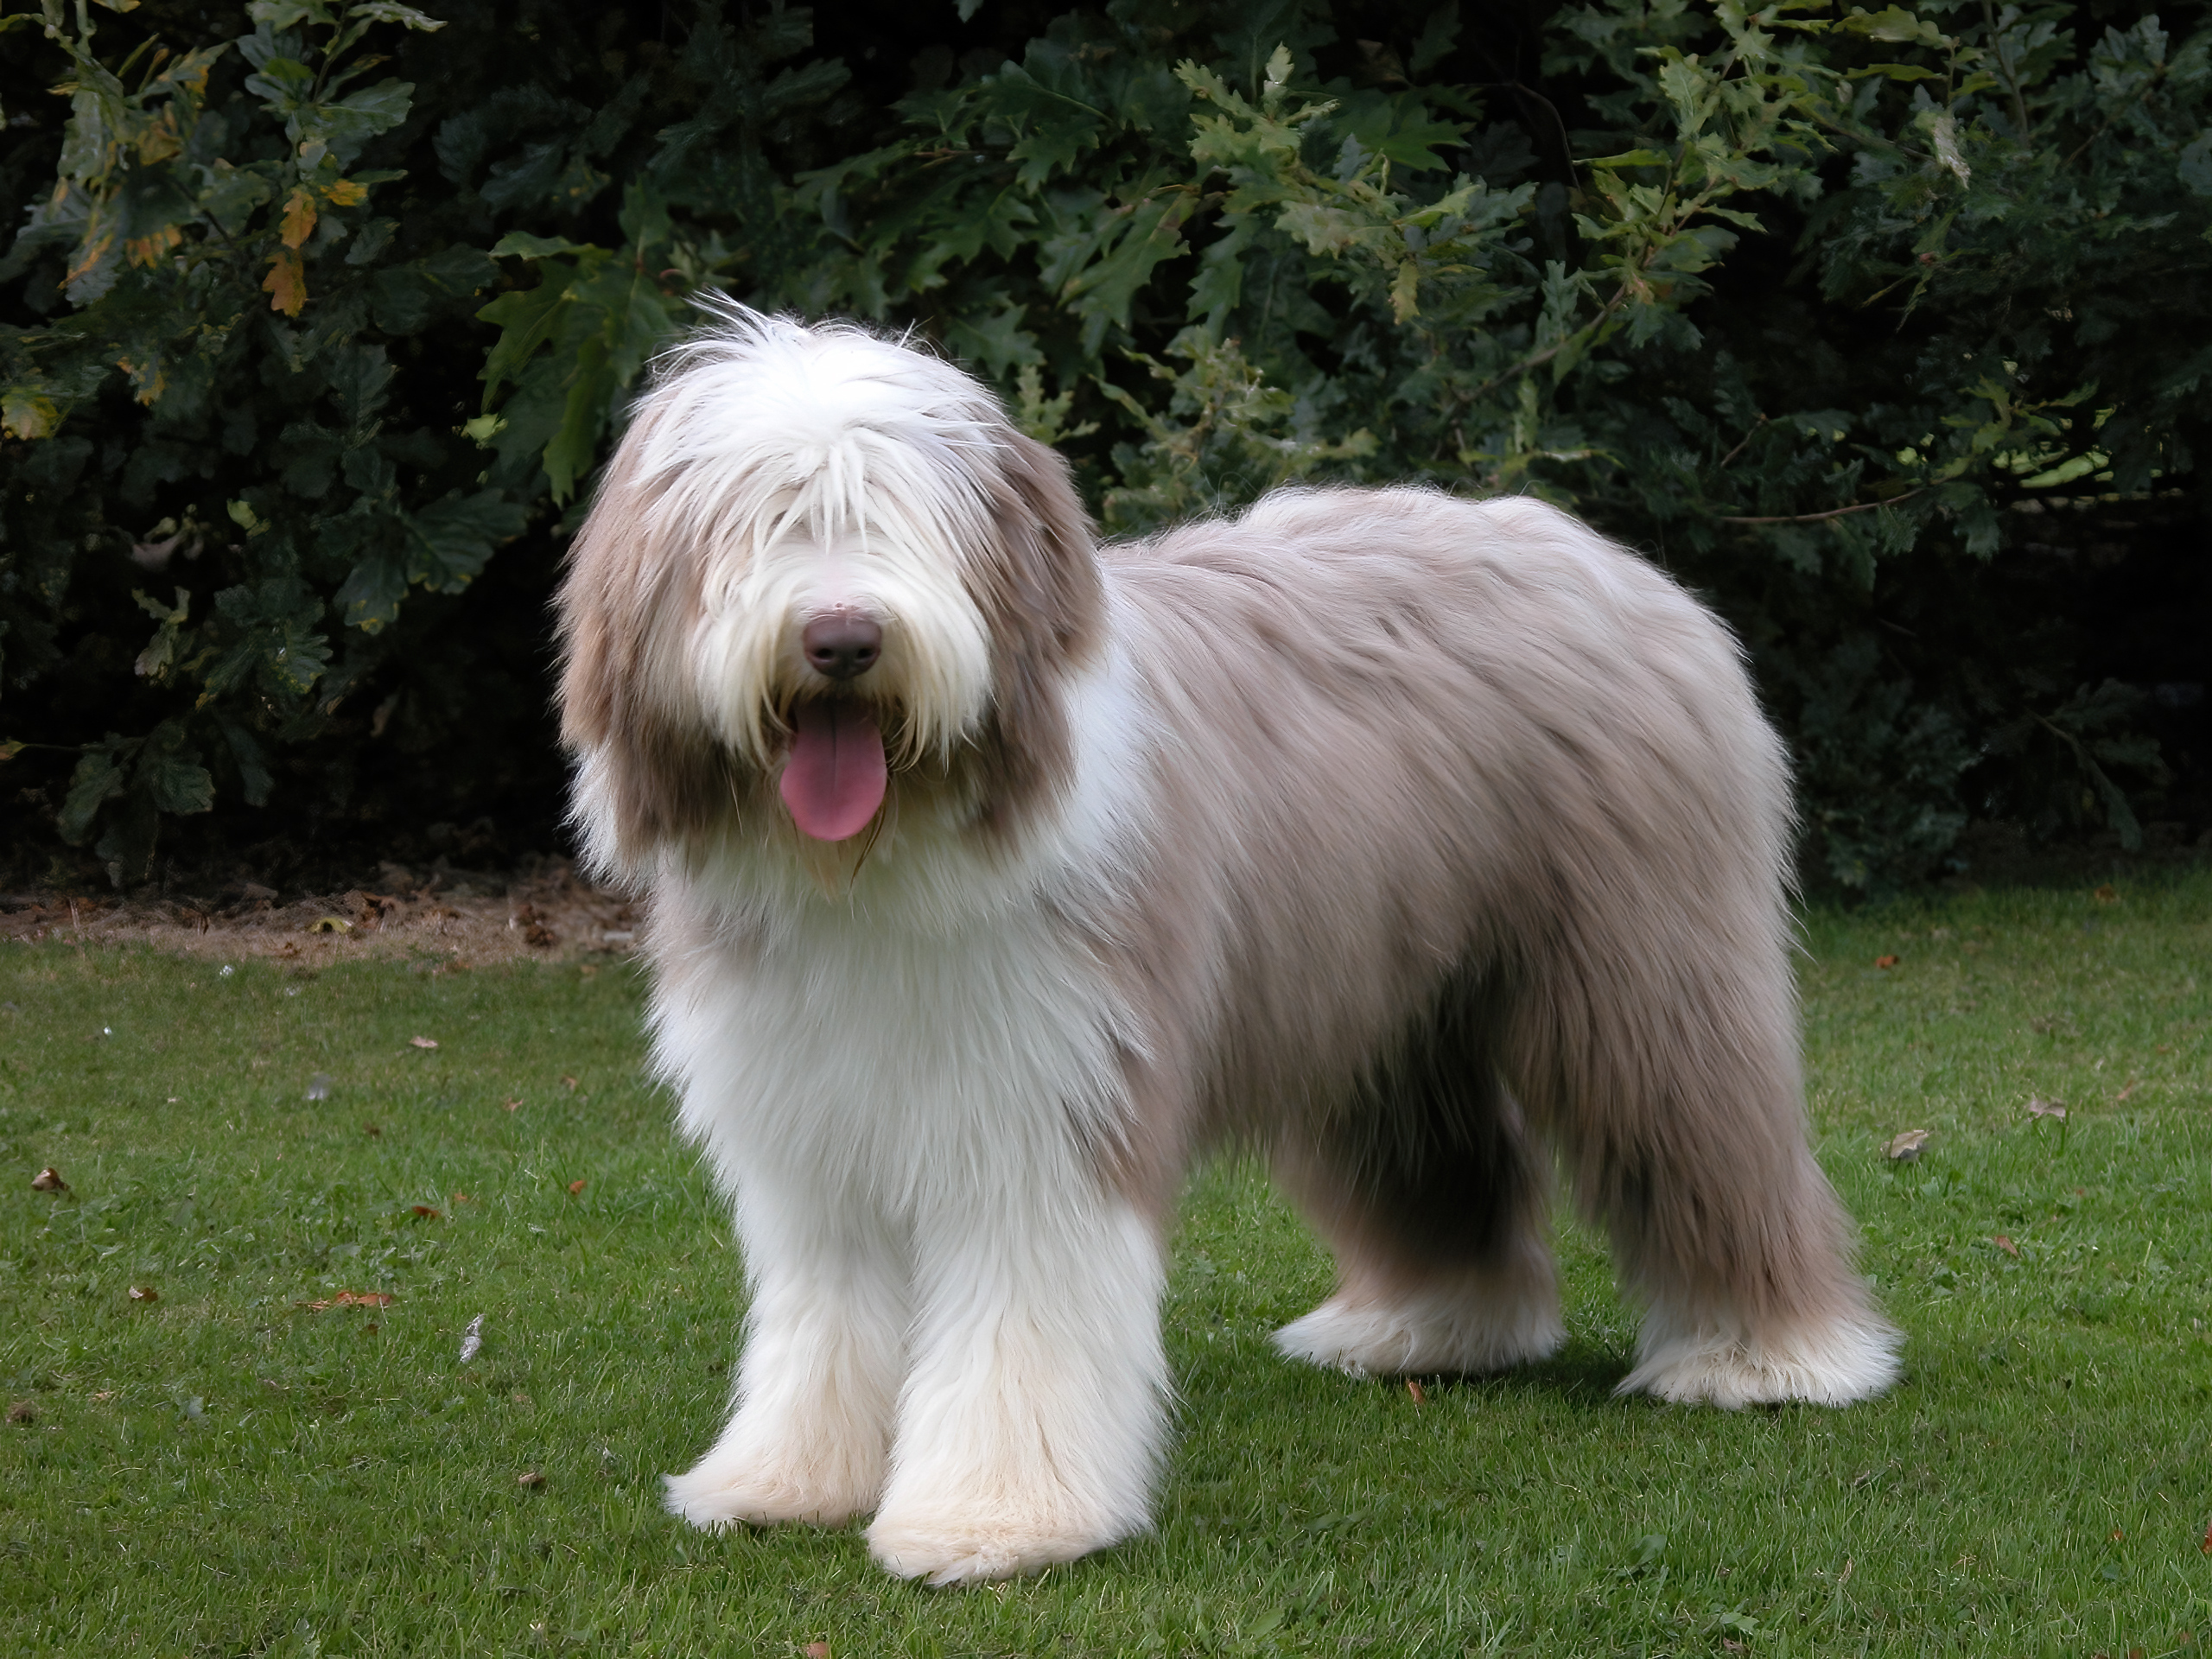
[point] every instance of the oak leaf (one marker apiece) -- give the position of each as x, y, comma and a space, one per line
286, 283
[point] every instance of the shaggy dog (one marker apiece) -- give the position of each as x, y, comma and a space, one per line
995, 876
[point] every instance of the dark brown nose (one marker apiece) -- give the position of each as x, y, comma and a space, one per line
841, 645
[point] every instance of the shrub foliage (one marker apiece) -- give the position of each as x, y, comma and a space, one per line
321, 317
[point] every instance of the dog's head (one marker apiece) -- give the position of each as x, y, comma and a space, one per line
822, 570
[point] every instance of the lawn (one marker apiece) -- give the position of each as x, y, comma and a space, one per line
231, 1467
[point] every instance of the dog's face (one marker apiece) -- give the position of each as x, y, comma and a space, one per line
823, 570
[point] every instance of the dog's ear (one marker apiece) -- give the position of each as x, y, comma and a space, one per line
1044, 602
623, 611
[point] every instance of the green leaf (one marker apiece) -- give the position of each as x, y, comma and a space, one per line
1895, 24
2195, 165
99, 778
388, 11
521, 244
369, 598
178, 784
1104, 290
1895, 71
574, 449
526, 318
254, 780
450, 540
999, 342
283, 14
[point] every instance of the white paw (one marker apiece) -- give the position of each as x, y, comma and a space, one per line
948, 1549
725, 1489
1431, 1331
1834, 1364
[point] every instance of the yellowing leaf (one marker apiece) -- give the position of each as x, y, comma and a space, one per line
160, 141
26, 414
286, 282
344, 192
1405, 289
299, 217
147, 250
89, 252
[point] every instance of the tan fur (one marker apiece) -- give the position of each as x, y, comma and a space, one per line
1411, 841
1434, 759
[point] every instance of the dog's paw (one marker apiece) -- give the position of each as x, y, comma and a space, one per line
1835, 1364
722, 1491
946, 1550
1365, 1337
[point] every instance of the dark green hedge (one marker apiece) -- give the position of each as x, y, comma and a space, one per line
1887, 330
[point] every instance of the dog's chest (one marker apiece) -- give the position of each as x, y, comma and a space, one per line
890, 1054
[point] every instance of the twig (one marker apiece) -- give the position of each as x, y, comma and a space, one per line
1745, 445
2150, 80
1544, 357
2004, 62
1833, 512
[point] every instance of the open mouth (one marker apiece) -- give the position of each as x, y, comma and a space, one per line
833, 781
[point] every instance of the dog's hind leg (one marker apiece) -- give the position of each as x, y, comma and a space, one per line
809, 1437
1031, 1425
1667, 1074
1427, 1187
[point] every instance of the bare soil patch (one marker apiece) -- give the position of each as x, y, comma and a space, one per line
440, 918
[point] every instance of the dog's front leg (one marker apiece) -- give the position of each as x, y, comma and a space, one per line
825, 1340
1030, 1422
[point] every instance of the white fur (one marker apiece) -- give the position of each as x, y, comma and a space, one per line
1835, 1364
819, 472
902, 1113
912, 1079
1477, 1321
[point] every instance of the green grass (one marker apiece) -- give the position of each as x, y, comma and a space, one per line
225, 1471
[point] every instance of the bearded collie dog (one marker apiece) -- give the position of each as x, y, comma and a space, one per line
995, 876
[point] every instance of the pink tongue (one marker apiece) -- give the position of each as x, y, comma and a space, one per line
835, 779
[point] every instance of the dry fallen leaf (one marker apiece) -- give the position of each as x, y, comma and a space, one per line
1904, 1148
2116, 1534
428, 1213
2205, 1549
2106, 894
570, 1084
817, 1650
422, 1042
574, 1188
510, 1105
1413, 1389
48, 1180
2130, 1088
350, 1298
371, 1129
144, 1294
462, 1198
22, 1412
530, 1477
2006, 1245
2047, 1108
1885, 961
